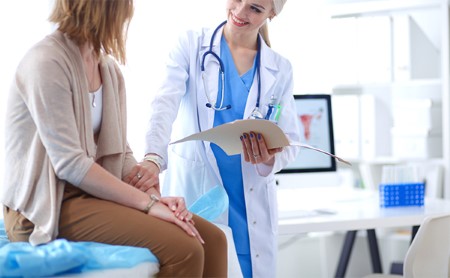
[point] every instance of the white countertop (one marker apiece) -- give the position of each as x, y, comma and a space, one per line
344, 209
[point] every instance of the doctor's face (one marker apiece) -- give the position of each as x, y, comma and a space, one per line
249, 14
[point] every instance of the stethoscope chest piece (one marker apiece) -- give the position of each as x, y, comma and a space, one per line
256, 114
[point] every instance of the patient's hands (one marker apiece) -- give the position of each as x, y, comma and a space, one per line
178, 206
143, 176
168, 208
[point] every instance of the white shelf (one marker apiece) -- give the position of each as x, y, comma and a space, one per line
382, 7
395, 160
418, 29
419, 82
357, 89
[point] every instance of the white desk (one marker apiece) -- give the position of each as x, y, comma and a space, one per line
349, 210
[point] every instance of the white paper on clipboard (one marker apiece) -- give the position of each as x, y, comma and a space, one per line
227, 136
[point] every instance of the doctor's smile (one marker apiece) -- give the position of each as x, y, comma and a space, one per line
238, 22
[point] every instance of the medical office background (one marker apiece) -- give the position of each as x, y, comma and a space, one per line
385, 63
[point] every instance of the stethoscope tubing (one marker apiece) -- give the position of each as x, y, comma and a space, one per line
222, 73
211, 52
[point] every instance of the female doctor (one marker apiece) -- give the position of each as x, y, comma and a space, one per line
214, 77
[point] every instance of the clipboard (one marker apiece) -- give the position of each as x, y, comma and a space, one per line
227, 136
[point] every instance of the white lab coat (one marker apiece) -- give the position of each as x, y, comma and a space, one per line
192, 167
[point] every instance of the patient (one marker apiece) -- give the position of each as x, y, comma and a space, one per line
70, 172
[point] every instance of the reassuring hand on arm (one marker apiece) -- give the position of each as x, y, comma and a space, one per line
143, 176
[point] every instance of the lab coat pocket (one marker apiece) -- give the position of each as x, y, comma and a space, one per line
273, 203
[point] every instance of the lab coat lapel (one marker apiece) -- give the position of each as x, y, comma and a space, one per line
268, 70
205, 114
211, 79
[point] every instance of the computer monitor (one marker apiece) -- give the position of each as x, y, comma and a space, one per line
316, 129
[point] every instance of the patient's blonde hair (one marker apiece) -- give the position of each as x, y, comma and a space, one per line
102, 23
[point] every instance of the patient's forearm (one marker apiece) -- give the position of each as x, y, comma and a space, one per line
102, 184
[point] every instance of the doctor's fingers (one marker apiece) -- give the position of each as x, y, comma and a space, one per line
244, 149
262, 148
251, 147
266, 154
148, 181
255, 144
133, 176
140, 175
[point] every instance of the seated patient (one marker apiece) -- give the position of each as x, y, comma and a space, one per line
70, 171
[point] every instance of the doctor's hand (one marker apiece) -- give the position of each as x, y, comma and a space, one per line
255, 149
163, 210
143, 176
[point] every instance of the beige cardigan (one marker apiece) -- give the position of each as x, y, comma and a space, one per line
49, 135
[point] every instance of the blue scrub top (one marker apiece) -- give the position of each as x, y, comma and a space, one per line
236, 92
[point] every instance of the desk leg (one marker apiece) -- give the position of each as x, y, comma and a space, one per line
414, 232
374, 252
345, 254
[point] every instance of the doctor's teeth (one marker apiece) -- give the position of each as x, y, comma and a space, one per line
238, 21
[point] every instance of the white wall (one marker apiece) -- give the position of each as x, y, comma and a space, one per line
299, 33
22, 22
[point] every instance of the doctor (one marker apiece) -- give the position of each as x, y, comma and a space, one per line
216, 76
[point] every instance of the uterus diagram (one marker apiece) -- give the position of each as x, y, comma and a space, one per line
307, 121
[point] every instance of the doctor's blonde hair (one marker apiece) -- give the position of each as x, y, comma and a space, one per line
103, 23
264, 30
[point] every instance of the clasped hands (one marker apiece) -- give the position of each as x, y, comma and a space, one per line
145, 177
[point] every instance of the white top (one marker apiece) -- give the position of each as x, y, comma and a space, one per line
96, 109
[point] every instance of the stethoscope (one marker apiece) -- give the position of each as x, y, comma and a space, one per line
256, 114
